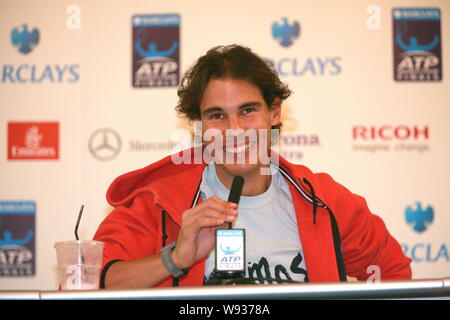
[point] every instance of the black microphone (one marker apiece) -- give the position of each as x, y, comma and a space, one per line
235, 192
230, 245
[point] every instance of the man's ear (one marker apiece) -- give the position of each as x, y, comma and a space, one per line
276, 111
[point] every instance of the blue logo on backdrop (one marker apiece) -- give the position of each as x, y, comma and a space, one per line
285, 33
17, 238
417, 44
26, 41
156, 50
419, 217
23, 39
414, 45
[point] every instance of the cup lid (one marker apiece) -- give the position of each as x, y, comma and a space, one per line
77, 242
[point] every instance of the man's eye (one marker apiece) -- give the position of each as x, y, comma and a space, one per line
215, 116
248, 110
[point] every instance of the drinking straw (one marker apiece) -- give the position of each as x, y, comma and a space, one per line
78, 221
76, 231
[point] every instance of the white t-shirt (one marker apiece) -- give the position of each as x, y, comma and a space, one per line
273, 248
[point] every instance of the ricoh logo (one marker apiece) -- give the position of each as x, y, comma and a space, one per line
390, 132
389, 137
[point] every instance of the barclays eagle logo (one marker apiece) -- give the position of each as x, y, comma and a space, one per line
419, 218
285, 33
24, 39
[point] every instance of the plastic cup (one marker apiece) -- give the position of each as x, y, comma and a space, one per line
79, 263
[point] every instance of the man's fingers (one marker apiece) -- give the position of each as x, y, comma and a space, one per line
206, 222
212, 216
219, 205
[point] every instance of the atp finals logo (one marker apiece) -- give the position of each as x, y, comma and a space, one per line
417, 44
156, 50
17, 238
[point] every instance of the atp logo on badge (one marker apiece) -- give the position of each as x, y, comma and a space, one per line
417, 44
156, 50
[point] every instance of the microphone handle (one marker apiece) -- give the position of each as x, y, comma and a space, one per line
235, 192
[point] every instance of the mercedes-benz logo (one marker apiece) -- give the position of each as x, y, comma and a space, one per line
105, 144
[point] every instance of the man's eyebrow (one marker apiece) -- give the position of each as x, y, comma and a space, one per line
250, 104
211, 110
242, 106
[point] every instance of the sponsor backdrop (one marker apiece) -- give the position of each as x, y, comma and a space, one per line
88, 90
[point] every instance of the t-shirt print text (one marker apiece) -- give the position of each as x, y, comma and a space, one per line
260, 272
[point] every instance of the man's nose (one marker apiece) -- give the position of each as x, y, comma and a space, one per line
234, 122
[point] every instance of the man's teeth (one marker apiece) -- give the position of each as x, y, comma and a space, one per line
239, 149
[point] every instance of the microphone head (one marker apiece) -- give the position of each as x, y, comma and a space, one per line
236, 189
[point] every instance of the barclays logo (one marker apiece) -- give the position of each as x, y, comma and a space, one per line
23, 39
419, 218
33, 73
285, 33
427, 252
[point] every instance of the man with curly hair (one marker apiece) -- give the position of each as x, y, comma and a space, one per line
300, 226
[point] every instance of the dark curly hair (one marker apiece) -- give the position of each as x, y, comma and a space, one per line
233, 61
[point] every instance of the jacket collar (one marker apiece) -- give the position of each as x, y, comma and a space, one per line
175, 187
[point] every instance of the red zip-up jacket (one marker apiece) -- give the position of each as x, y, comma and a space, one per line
338, 233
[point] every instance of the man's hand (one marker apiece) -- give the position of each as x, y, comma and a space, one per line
198, 225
